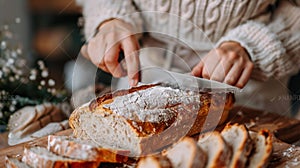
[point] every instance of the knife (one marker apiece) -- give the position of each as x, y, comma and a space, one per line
183, 81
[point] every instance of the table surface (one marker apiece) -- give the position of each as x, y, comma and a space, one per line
284, 154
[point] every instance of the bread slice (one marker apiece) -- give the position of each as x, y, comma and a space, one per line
262, 149
84, 150
14, 162
154, 162
238, 138
49, 129
146, 118
217, 150
186, 153
39, 157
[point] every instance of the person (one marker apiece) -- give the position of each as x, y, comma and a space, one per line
253, 45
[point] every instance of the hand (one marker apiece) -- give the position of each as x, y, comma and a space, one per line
103, 50
229, 63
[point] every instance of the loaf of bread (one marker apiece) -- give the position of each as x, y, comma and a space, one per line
75, 148
147, 118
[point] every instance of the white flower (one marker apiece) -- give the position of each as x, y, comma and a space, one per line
45, 73
3, 44
33, 72
19, 72
51, 82
10, 61
5, 70
12, 108
1, 114
41, 64
14, 54
19, 51
11, 79
32, 77
14, 102
53, 91
43, 82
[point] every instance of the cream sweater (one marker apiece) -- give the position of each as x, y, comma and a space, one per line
188, 29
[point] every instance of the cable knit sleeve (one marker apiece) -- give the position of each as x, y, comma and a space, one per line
274, 47
97, 11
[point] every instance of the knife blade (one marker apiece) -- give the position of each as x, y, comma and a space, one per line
183, 81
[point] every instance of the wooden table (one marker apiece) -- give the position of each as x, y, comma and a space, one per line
283, 153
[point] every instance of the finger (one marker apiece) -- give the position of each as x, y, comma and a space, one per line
197, 70
84, 52
130, 48
95, 50
103, 67
111, 61
233, 74
209, 65
245, 76
221, 70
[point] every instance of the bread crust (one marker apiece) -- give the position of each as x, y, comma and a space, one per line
262, 149
37, 160
63, 146
194, 156
222, 154
14, 162
154, 162
242, 149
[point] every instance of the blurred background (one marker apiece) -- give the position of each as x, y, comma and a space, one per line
47, 30
51, 30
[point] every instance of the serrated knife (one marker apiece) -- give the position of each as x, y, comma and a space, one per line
183, 81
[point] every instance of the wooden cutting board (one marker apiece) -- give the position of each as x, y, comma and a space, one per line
284, 154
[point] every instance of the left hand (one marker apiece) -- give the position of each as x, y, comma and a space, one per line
229, 63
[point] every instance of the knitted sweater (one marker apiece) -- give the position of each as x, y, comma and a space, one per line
268, 29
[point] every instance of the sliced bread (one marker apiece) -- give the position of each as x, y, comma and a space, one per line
238, 138
84, 150
217, 150
154, 162
146, 118
262, 149
38, 157
13, 162
186, 153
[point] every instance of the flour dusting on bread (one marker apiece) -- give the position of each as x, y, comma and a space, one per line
153, 104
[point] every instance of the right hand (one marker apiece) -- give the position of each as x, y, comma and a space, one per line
104, 48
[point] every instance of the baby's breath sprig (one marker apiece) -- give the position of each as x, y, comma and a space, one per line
21, 84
